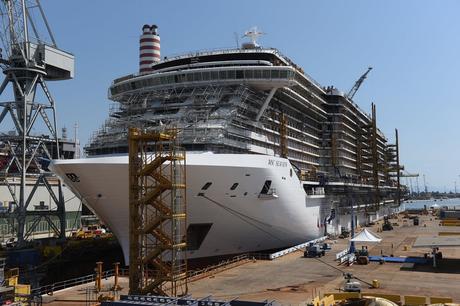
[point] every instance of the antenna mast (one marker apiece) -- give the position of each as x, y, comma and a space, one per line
253, 34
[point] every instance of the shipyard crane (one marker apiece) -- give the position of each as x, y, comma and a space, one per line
29, 60
358, 84
407, 174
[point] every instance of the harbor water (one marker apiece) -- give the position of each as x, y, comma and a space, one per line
455, 202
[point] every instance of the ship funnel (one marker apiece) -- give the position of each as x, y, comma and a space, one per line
149, 49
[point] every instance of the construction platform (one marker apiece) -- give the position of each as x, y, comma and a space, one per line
295, 280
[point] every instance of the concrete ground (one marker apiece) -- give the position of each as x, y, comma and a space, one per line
294, 280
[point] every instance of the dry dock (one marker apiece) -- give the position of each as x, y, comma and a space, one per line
294, 280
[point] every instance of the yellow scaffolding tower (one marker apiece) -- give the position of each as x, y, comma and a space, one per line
283, 136
158, 214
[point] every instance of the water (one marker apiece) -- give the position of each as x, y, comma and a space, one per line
421, 203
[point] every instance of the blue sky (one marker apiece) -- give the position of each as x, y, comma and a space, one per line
414, 47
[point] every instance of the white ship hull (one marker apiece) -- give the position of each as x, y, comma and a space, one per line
241, 220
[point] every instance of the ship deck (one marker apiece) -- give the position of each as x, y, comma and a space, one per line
294, 280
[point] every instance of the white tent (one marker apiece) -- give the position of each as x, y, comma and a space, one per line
366, 236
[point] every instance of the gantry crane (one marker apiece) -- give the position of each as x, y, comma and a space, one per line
409, 175
28, 61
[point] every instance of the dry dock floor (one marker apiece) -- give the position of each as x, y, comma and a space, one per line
293, 280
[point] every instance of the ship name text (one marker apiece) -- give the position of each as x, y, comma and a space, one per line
277, 163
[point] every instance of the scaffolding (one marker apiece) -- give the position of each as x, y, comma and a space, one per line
371, 164
393, 168
283, 136
158, 213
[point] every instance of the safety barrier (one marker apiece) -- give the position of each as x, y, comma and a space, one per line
221, 266
51, 288
398, 299
414, 300
349, 259
296, 248
391, 297
341, 254
440, 300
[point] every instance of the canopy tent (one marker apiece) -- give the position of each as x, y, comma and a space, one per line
366, 236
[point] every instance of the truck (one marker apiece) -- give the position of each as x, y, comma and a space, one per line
314, 250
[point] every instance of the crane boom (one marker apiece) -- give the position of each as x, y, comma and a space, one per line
358, 84
407, 174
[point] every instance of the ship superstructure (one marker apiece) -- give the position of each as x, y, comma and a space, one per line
272, 156
252, 100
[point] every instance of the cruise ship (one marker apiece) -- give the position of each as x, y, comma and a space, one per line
274, 159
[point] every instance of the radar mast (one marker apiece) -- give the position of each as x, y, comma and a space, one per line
253, 34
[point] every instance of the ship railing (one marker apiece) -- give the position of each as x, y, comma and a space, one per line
226, 264
224, 50
51, 288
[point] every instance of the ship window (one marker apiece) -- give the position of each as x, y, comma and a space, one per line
214, 75
196, 234
266, 74
275, 74
239, 74
197, 76
189, 77
257, 74
266, 187
234, 186
222, 75
206, 186
249, 74
206, 75
231, 74
283, 74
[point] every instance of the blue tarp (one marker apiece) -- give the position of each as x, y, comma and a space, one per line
417, 260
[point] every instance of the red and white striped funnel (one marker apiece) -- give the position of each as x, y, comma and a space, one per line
149, 50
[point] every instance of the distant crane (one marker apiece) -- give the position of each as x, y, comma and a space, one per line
408, 175
424, 184
358, 84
